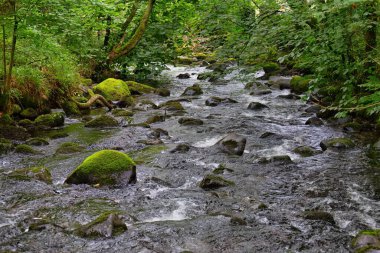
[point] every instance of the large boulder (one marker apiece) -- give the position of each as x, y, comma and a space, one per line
106, 167
337, 143
55, 119
232, 144
103, 121
299, 84
113, 89
139, 88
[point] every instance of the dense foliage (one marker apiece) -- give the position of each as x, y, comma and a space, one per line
59, 43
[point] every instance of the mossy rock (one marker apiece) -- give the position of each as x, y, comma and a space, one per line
107, 225
29, 113
122, 113
59, 135
86, 81
106, 167
270, 67
27, 123
25, 149
212, 182
194, 90
210, 76
55, 119
147, 154
299, 84
139, 88
163, 92
126, 101
37, 142
186, 60
113, 89
221, 169
6, 146
14, 133
190, 122
71, 108
200, 56
172, 106
69, 148
26, 174
16, 109
6, 119
306, 151
155, 119
102, 121
337, 143
367, 241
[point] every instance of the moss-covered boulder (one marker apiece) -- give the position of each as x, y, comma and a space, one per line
106, 167
154, 119
163, 92
69, 148
306, 151
270, 67
55, 119
27, 123
107, 225
6, 146
26, 174
102, 121
212, 182
25, 149
6, 119
172, 106
367, 241
139, 88
190, 121
37, 142
122, 113
113, 89
337, 143
299, 84
71, 108
194, 90
29, 113
14, 133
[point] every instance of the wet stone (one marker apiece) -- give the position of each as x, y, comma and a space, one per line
257, 106
184, 76
215, 101
337, 143
190, 122
212, 182
306, 151
232, 144
289, 96
181, 148
319, 215
314, 121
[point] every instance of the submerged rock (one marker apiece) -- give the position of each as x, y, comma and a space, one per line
184, 76
306, 151
106, 167
55, 119
212, 182
190, 122
181, 148
113, 89
163, 92
39, 173
215, 101
102, 121
122, 113
257, 106
314, 121
337, 143
172, 106
232, 144
69, 148
106, 225
37, 142
25, 149
194, 90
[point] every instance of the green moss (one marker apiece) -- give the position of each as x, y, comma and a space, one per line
375, 232
13, 132
26, 123
71, 108
103, 167
5, 146
122, 113
299, 84
146, 155
139, 88
113, 89
163, 92
39, 173
211, 181
25, 149
6, 119
306, 151
338, 143
154, 119
69, 148
16, 109
193, 91
29, 113
37, 142
86, 81
270, 67
55, 119
103, 121
172, 106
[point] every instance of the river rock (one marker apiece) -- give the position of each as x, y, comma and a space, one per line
151, 142
14, 133
215, 101
314, 121
113, 89
55, 119
194, 90
319, 215
138, 88
25, 149
367, 241
212, 182
158, 132
102, 121
155, 118
306, 151
232, 144
190, 122
37, 142
26, 174
257, 106
280, 82
337, 143
219, 82
69, 148
260, 92
283, 159
184, 76
289, 96
313, 109
119, 112
172, 106
29, 113
106, 167
181, 148
6, 146
163, 92
106, 225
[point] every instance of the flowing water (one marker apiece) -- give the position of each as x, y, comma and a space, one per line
167, 211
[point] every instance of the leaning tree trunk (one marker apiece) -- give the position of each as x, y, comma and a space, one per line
94, 99
122, 49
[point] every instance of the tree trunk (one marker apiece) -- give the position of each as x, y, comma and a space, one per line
122, 50
13, 50
92, 101
4, 61
370, 34
108, 32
